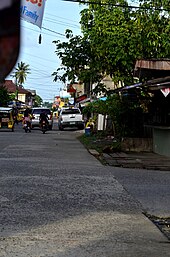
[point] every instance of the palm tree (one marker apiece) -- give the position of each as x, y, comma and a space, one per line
21, 72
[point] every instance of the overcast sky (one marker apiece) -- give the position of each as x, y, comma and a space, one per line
58, 16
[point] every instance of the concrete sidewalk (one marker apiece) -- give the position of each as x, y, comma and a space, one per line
138, 161
142, 160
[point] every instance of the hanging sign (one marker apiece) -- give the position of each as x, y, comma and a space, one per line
165, 91
32, 11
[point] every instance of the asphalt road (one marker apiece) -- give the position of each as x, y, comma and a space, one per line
57, 200
150, 187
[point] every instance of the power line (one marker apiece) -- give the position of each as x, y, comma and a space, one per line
41, 77
39, 87
61, 20
61, 23
39, 58
39, 31
40, 73
35, 69
40, 64
117, 5
53, 31
61, 17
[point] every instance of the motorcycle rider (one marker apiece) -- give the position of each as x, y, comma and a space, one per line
27, 117
43, 117
26, 112
15, 114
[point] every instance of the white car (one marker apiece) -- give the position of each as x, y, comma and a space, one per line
36, 116
70, 117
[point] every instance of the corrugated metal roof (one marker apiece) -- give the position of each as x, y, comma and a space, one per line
153, 84
11, 88
153, 64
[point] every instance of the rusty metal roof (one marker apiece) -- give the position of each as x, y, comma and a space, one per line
153, 64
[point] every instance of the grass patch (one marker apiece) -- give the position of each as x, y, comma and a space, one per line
101, 142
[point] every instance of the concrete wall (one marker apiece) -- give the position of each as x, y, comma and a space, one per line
161, 140
137, 145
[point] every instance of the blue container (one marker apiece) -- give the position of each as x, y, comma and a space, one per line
87, 131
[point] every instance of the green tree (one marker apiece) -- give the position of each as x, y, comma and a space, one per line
77, 60
21, 72
114, 37
47, 105
38, 101
120, 35
126, 112
4, 96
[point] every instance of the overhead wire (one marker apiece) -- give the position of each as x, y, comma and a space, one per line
50, 85
40, 58
47, 85
53, 31
118, 5
41, 77
40, 86
61, 23
40, 64
61, 17
40, 73
44, 33
61, 20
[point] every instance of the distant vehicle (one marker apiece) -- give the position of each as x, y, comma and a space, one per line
70, 117
36, 116
6, 118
